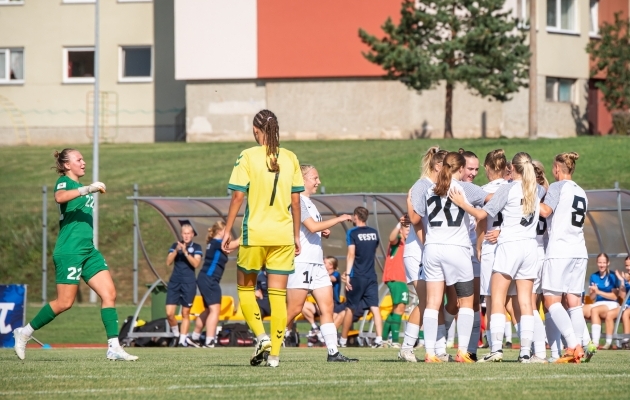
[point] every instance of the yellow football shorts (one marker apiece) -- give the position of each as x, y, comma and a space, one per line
277, 259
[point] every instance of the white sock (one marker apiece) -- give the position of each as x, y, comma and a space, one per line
553, 336
314, 326
517, 329
497, 330
411, 336
113, 342
450, 330
196, 336
597, 333
28, 330
182, 339
465, 323
448, 319
563, 323
527, 334
329, 331
175, 330
475, 334
579, 324
587, 336
488, 335
539, 336
343, 341
440, 343
430, 330
378, 340
507, 330
608, 340
209, 338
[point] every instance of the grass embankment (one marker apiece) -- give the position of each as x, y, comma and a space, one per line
180, 169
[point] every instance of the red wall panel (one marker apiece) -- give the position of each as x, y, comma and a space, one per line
299, 38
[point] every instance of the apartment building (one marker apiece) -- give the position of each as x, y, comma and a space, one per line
305, 63
47, 72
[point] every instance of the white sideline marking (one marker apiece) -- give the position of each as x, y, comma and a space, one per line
299, 383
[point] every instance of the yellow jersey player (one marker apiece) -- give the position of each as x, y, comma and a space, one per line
272, 180
76, 258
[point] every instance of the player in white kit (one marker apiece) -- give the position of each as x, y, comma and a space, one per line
310, 272
412, 257
447, 253
470, 172
564, 268
495, 164
515, 254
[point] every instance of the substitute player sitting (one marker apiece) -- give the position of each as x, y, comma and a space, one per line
76, 258
361, 282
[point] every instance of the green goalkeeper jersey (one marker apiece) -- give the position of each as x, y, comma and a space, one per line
75, 221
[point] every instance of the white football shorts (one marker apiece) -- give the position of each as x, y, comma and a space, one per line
309, 276
447, 263
564, 275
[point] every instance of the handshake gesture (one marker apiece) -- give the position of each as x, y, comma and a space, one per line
92, 188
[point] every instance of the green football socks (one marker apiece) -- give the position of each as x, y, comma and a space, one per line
43, 317
110, 320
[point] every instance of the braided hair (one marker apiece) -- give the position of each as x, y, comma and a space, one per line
267, 122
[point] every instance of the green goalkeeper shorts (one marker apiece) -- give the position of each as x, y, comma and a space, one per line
399, 292
70, 268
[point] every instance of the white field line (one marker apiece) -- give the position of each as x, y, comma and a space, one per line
301, 383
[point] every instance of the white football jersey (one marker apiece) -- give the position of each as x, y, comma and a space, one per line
566, 233
311, 243
492, 223
446, 222
508, 200
413, 246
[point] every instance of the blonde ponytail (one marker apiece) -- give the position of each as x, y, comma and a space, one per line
522, 164
431, 158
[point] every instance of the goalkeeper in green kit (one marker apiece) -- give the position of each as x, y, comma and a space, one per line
76, 258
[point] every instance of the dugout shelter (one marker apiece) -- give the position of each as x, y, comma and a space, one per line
606, 225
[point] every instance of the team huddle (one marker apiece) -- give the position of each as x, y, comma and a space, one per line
515, 237
530, 238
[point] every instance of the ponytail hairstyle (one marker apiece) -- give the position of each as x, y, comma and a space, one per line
496, 161
452, 163
61, 158
431, 158
567, 161
212, 232
267, 122
522, 164
539, 169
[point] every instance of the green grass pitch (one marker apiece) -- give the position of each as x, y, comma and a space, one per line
303, 374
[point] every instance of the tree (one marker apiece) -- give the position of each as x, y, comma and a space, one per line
472, 42
611, 54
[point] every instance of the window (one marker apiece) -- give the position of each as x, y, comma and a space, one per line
78, 1
136, 64
559, 90
78, 65
594, 18
11, 2
561, 15
523, 12
12, 65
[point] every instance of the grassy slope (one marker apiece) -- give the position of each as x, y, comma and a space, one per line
225, 373
180, 169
